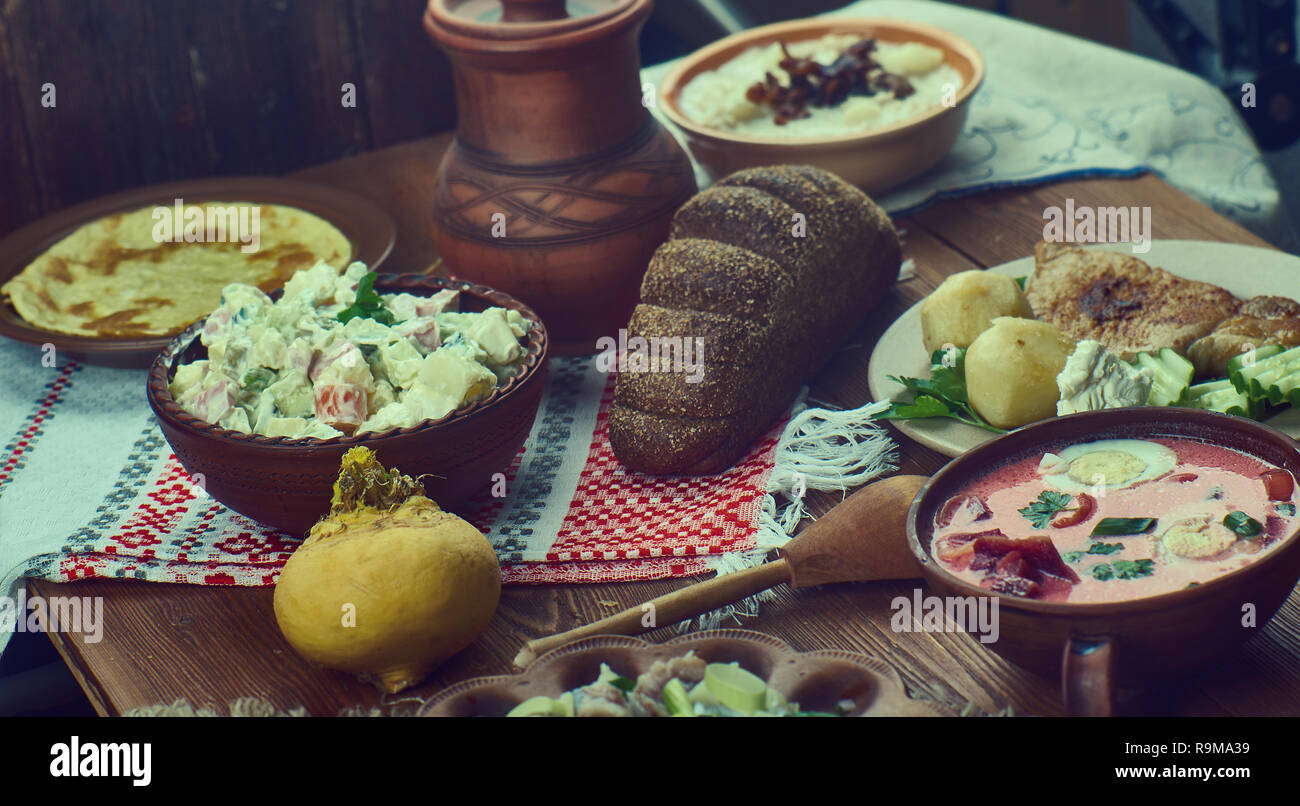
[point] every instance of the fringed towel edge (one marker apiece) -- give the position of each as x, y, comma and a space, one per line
819, 449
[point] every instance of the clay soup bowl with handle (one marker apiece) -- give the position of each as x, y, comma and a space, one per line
1098, 647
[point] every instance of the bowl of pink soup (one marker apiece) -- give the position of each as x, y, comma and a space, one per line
1123, 546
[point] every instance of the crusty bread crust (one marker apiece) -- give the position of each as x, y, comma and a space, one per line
769, 304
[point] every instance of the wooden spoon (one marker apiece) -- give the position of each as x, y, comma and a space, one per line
862, 539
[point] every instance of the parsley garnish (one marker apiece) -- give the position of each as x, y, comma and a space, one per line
1040, 512
1072, 556
623, 684
1132, 569
1123, 569
368, 305
1105, 548
943, 394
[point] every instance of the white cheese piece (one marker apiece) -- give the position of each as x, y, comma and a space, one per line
518, 324
263, 412
285, 427
401, 362
492, 332
319, 430
392, 415
381, 396
268, 350
1094, 378
236, 420
342, 363
187, 376
293, 395
314, 285
446, 374
244, 301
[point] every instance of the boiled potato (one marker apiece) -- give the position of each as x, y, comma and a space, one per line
963, 305
1011, 370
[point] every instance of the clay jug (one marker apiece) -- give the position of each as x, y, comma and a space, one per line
559, 184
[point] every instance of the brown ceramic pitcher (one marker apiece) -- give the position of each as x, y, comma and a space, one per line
560, 184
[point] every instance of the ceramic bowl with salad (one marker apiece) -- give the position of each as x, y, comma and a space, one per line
262, 398
727, 673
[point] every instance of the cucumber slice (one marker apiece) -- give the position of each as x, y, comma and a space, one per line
535, 706
776, 702
701, 694
1115, 527
735, 687
1222, 395
1171, 375
1267, 351
676, 700
1275, 379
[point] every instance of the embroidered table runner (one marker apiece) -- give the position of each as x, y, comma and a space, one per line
90, 488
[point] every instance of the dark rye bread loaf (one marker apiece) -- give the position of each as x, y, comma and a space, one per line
768, 307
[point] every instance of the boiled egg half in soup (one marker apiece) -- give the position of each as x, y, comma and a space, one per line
1111, 464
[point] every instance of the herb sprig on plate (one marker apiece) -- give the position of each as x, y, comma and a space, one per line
943, 394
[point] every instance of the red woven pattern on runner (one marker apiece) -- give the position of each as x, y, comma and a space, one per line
21, 445
156, 519
619, 525
599, 571
618, 515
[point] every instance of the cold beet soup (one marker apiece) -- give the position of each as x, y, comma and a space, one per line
1114, 519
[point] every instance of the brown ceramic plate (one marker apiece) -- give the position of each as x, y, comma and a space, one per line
875, 160
816, 680
370, 230
286, 482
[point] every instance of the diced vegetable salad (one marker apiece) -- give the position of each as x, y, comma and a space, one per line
682, 686
332, 357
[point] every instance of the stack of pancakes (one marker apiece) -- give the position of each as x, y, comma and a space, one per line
116, 278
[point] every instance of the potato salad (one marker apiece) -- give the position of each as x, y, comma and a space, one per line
334, 358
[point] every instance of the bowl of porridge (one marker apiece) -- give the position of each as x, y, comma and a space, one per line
876, 101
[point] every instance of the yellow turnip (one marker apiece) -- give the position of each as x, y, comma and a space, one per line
387, 585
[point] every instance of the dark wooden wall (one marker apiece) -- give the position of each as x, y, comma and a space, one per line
154, 90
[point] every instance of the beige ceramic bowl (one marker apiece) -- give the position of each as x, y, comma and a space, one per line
877, 160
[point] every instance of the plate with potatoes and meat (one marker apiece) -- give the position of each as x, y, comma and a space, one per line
1189, 323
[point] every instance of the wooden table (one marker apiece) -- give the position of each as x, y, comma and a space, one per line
213, 645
